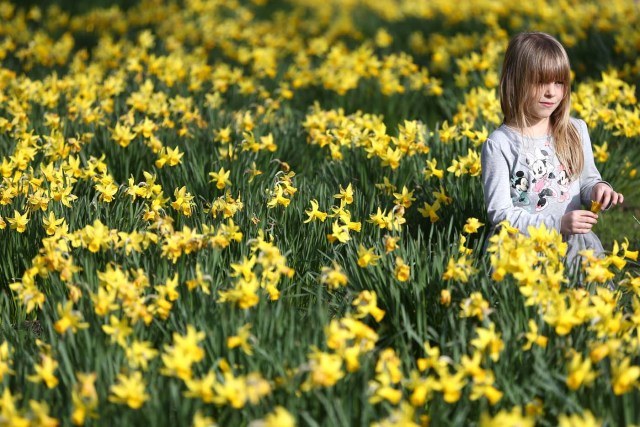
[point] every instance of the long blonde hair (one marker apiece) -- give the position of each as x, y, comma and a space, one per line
532, 59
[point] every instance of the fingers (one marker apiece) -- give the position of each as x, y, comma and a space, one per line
607, 197
616, 198
578, 222
583, 221
611, 199
586, 225
605, 200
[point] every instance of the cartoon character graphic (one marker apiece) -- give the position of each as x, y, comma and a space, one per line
541, 169
521, 184
543, 202
563, 184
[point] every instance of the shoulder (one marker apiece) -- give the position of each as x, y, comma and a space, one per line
581, 128
499, 143
501, 135
502, 132
499, 139
579, 124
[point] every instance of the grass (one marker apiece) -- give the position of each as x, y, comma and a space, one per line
623, 221
299, 296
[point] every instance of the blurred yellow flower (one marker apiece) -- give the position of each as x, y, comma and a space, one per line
624, 376
18, 222
45, 371
367, 257
280, 417
129, 390
69, 319
445, 297
402, 271
580, 372
366, 303
333, 277
472, 225
242, 339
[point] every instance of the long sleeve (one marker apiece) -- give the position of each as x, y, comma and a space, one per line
497, 192
590, 175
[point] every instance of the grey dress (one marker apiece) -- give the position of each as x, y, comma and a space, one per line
525, 184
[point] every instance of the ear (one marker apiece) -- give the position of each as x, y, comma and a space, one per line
519, 174
551, 175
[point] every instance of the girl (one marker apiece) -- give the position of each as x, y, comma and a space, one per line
541, 149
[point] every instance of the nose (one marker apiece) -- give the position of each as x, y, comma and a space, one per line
549, 90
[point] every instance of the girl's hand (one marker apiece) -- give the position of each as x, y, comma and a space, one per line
578, 222
605, 195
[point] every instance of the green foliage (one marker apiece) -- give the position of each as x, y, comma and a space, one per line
290, 329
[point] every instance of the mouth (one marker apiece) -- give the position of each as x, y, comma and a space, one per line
548, 104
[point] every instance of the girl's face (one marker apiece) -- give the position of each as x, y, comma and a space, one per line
545, 98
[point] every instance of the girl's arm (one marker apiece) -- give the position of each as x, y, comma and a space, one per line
590, 176
496, 181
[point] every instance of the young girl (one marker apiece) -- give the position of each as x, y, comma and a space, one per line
538, 166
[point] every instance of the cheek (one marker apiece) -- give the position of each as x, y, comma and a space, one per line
533, 96
564, 91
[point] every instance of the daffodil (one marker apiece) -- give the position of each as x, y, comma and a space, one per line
533, 337
122, 135
431, 170
430, 211
314, 213
325, 370
6, 359
402, 271
586, 419
18, 222
404, 198
345, 195
333, 277
488, 339
367, 256
140, 353
69, 319
580, 372
202, 388
472, 225
45, 371
624, 376
242, 339
221, 178
280, 417
445, 297
129, 390
169, 157
390, 243
366, 303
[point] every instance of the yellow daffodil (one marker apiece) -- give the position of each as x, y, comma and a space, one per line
314, 213
45, 371
18, 222
129, 390
242, 339
472, 226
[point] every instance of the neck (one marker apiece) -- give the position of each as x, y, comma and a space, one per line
540, 128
